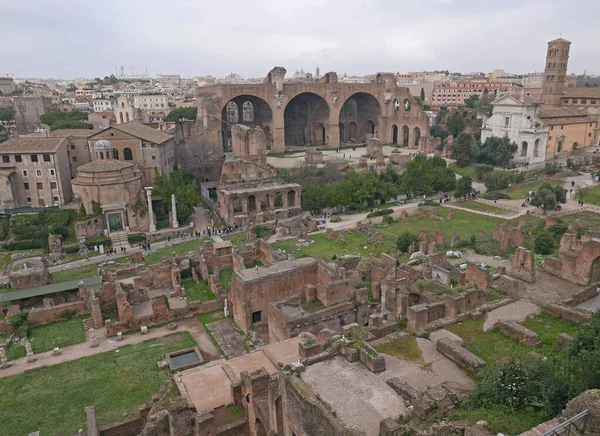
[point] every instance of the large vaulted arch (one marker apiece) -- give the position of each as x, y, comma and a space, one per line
362, 110
306, 119
247, 110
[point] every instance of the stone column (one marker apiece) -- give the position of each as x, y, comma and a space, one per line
284, 201
245, 206
333, 135
152, 227
174, 211
271, 202
96, 312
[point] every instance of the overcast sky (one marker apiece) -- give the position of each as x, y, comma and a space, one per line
80, 38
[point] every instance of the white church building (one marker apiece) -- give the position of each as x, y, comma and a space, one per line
519, 120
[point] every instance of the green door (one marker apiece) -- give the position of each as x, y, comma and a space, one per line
115, 222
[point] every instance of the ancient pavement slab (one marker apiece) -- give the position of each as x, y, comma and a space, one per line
443, 333
518, 311
231, 340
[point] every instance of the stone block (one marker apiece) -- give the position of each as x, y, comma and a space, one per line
371, 359
362, 295
144, 329
459, 355
389, 427
514, 330
119, 336
563, 343
56, 351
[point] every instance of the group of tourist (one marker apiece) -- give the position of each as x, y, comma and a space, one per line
111, 251
210, 231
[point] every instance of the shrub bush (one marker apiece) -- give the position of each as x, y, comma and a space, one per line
71, 249
100, 240
20, 324
135, 238
24, 245
544, 244
263, 232
557, 230
496, 195
482, 169
502, 179
380, 212
404, 240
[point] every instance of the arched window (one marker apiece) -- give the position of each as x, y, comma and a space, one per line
102, 155
247, 112
232, 112
407, 105
127, 116
127, 154
121, 117
524, 146
115, 154
536, 148
423, 95
396, 105
351, 108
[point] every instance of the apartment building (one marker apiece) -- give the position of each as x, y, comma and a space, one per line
452, 94
35, 172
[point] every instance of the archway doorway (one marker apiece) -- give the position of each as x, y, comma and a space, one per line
405, 134
323, 134
303, 117
247, 110
417, 136
351, 133
394, 134
362, 110
524, 147
342, 128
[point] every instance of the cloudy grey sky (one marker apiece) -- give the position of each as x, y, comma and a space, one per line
80, 38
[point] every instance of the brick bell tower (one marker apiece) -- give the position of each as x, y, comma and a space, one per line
555, 74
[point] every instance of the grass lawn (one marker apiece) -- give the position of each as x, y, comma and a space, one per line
493, 345
592, 196
522, 189
179, 249
237, 239
404, 348
74, 274
225, 276
500, 421
464, 223
45, 337
474, 205
198, 291
52, 399
323, 248
468, 171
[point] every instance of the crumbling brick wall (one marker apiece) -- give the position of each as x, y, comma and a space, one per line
523, 265
477, 277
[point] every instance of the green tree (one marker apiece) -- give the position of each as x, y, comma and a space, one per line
404, 240
483, 106
438, 131
471, 101
81, 214
7, 114
544, 244
456, 124
71, 124
185, 189
464, 187
497, 151
96, 208
427, 175
463, 149
316, 198
549, 197
188, 113
51, 118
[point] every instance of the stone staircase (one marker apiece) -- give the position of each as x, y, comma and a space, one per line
119, 239
88, 323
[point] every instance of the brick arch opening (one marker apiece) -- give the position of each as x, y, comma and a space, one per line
405, 135
304, 118
417, 136
248, 110
394, 134
363, 110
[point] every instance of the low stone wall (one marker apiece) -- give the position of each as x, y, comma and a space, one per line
507, 285
516, 331
568, 313
459, 355
47, 315
585, 295
371, 359
410, 395
5, 327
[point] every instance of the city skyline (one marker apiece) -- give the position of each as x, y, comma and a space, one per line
68, 39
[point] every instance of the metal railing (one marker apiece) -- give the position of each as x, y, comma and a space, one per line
572, 427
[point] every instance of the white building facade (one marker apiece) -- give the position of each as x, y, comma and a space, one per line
151, 102
521, 123
105, 104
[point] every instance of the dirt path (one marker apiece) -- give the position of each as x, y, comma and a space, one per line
77, 351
